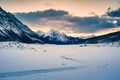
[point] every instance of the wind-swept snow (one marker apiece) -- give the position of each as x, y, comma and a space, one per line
20, 61
29, 72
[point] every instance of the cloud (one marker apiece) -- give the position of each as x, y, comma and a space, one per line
48, 4
35, 16
117, 22
92, 13
63, 21
40, 14
90, 24
114, 13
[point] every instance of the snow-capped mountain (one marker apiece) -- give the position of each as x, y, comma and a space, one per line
11, 29
55, 37
52, 34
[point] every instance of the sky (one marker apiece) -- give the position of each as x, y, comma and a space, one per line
73, 17
75, 7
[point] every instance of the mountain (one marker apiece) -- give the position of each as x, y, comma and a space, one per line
40, 33
52, 34
111, 37
55, 37
11, 29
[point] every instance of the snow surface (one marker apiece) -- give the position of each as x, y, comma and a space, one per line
20, 61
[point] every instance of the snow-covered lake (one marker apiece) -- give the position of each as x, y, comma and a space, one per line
58, 62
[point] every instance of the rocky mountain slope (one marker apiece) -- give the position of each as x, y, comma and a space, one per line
11, 29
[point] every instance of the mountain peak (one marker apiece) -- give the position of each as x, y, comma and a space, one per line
56, 35
2, 10
53, 31
40, 33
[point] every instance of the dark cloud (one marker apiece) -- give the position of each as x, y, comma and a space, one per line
85, 21
114, 13
118, 22
90, 24
35, 16
62, 20
40, 14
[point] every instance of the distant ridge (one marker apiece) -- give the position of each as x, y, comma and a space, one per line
111, 37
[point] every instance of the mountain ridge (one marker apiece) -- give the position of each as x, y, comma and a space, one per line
110, 37
11, 29
55, 37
